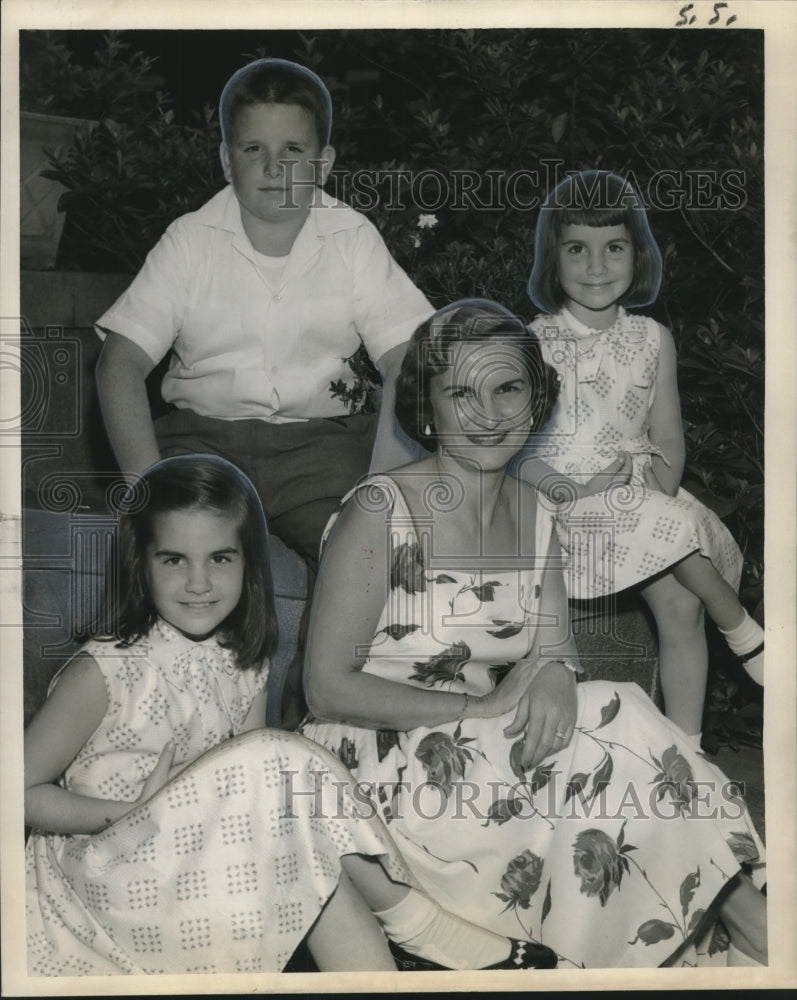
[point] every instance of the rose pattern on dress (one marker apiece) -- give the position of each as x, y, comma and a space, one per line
520, 880
406, 568
675, 778
347, 753
444, 758
599, 862
443, 668
612, 879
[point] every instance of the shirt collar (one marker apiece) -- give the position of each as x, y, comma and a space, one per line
328, 214
169, 646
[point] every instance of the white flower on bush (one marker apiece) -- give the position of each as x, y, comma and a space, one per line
427, 221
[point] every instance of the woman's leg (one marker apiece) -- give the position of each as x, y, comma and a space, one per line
346, 936
683, 651
416, 922
744, 913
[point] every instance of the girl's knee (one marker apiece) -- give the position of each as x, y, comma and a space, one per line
674, 607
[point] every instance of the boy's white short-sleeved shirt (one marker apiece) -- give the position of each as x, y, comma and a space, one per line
244, 348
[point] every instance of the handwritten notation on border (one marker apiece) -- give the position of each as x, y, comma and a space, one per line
688, 15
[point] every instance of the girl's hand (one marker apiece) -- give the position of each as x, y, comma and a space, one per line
651, 480
546, 714
159, 775
506, 695
616, 474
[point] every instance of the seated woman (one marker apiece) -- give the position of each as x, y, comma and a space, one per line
441, 658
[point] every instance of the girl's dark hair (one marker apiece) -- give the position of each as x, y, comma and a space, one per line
593, 198
190, 482
276, 81
429, 354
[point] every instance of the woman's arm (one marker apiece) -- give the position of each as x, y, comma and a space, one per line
549, 706
351, 592
62, 727
665, 427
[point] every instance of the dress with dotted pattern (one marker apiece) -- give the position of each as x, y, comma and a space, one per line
626, 535
227, 867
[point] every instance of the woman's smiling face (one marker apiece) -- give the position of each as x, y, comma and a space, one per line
482, 402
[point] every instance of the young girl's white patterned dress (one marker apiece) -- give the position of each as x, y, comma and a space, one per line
610, 851
226, 868
626, 535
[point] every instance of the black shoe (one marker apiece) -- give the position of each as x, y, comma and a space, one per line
527, 955
524, 955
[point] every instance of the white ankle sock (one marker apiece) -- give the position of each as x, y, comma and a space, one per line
746, 637
422, 927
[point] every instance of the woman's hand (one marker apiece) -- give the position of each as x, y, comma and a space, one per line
159, 776
618, 473
546, 714
506, 695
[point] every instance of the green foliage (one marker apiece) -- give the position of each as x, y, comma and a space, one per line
118, 81
136, 168
523, 104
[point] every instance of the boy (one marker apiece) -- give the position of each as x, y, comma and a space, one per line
261, 295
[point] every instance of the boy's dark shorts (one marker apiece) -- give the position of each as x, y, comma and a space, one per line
301, 470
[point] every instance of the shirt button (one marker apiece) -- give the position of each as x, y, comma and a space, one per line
278, 297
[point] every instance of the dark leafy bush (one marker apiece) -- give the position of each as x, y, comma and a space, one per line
499, 107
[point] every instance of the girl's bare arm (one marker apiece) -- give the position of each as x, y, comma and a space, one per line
62, 727
665, 427
559, 488
256, 716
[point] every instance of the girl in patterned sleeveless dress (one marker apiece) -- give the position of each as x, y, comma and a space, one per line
183, 837
611, 457
572, 818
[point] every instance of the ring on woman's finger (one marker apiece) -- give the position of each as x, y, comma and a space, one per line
560, 736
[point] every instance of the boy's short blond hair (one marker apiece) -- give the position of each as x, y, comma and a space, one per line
276, 81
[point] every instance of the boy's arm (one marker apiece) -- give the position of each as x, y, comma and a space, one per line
121, 375
392, 447
387, 308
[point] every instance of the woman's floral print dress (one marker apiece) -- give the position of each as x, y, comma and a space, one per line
610, 851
